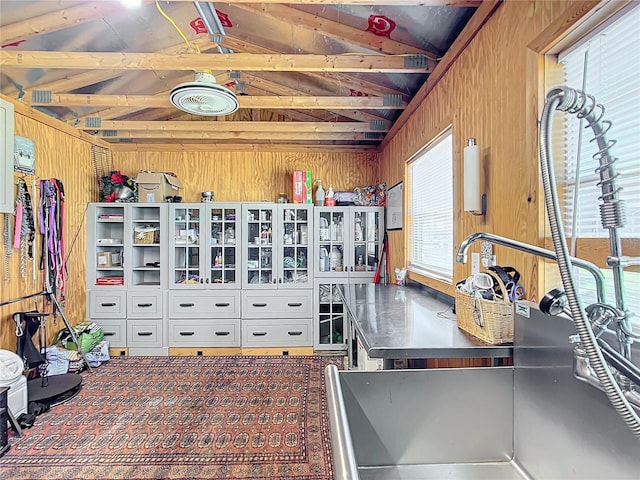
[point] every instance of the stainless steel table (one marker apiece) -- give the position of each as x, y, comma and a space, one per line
397, 322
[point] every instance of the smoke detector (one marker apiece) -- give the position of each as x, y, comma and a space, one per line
204, 97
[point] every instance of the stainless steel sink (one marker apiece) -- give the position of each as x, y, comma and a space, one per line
422, 424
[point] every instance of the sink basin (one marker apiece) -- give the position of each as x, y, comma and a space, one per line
422, 424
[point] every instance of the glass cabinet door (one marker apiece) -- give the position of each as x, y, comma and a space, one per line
367, 241
147, 260
260, 243
186, 255
296, 261
331, 327
333, 235
108, 264
223, 254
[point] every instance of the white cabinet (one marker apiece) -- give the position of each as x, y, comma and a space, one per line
204, 250
127, 274
277, 249
348, 242
204, 280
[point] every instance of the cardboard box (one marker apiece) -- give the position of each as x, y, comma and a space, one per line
302, 191
156, 186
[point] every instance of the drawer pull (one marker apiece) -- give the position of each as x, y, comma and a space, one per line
187, 334
295, 333
258, 334
259, 304
222, 304
109, 334
108, 304
145, 334
145, 305
222, 334
187, 304
298, 304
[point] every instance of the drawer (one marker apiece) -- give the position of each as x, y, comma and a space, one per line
276, 333
144, 304
204, 304
289, 304
108, 304
204, 333
144, 333
115, 331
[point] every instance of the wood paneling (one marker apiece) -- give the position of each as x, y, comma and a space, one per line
63, 153
251, 176
485, 95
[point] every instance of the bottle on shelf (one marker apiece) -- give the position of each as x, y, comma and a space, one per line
320, 194
329, 200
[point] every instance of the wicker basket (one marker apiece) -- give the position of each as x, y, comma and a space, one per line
489, 320
146, 235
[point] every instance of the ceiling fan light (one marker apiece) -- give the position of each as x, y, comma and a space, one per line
204, 97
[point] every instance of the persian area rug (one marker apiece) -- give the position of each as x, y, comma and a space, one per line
184, 418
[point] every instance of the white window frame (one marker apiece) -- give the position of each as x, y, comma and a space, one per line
430, 202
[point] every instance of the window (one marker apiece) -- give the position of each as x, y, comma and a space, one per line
604, 64
430, 209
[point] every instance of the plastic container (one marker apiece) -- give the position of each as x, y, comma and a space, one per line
11, 376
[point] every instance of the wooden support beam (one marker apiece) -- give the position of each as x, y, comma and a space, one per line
240, 147
260, 102
396, 3
224, 126
203, 62
164, 135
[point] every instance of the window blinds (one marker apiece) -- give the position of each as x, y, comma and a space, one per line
430, 210
605, 65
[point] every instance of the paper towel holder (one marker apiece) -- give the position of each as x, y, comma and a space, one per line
474, 202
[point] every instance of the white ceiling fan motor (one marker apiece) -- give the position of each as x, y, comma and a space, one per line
204, 97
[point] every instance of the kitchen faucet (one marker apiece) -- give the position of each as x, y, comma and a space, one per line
595, 362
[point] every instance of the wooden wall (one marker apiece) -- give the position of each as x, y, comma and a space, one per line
61, 152
490, 93
251, 176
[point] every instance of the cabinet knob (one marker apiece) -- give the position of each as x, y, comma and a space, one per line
187, 334
295, 333
145, 334
258, 334
259, 304
222, 334
108, 304
187, 305
222, 304
145, 305
298, 304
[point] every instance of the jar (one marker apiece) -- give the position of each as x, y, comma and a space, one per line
283, 198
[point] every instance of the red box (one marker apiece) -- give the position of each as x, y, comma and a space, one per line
302, 192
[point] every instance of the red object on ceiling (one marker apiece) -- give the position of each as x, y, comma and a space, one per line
381, 25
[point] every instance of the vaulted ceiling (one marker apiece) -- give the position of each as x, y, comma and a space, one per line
313, 74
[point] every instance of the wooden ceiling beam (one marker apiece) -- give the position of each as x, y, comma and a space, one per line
58, 20
203, 62
236, 126
235, 135
258, 102
301, 20
338, 80
240, 147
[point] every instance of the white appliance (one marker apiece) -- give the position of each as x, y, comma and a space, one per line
11, 376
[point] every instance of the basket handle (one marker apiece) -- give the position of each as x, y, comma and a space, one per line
503, 288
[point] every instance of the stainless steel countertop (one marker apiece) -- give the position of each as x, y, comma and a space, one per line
403, 322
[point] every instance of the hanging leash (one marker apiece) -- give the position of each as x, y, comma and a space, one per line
24, 226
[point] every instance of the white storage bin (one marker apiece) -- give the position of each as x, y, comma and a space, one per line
11, 376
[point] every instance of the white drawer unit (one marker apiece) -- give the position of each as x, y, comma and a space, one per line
277, 304
204, 333
276, 333
115, 331
144, 304
224, 304
144, 333
107, 304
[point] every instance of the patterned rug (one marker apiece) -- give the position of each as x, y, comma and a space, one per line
184, 418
